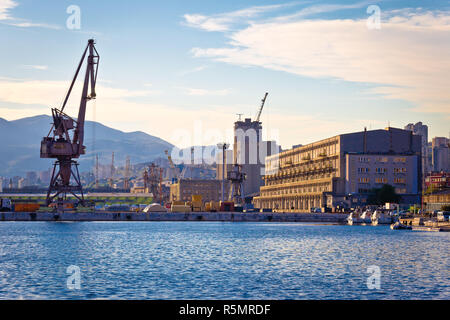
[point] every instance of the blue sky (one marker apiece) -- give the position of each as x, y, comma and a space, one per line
168, 68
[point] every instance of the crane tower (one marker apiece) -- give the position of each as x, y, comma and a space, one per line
65, 140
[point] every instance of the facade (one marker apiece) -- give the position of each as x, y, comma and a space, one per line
438, 180
339, 171
250, 151
441, 154
210, 190
219, 163
421, 130
436, 200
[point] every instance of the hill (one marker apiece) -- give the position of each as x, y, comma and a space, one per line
20, 144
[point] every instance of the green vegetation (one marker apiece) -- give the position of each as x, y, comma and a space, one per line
382, 195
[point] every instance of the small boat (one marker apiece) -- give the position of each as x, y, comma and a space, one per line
380, 217
354, 218
400, 226
366, 217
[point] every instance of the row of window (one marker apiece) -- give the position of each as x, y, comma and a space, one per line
382, 160
383, 180
381, 170
297, 190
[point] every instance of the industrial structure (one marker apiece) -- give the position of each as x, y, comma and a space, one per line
65, 139
249, 151
209, 190
236, 178
340, 171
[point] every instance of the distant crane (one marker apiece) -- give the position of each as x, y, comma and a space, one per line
112, 171
153, 181
96, 171
236, 177
60, 144
258, 116
172, 166
126, 182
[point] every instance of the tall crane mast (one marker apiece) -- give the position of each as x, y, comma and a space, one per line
65, 139
258, 116
172, 165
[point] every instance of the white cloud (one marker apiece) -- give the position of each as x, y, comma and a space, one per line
193, 70
29, 24
322, 8
5, 8
205, 92
6, 18
38, 92
36, 67
409, 58
224, 21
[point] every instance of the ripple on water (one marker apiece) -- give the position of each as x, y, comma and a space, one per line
209, 260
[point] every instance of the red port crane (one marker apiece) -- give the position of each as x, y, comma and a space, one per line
64, 141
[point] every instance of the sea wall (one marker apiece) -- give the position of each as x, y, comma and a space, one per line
175, 216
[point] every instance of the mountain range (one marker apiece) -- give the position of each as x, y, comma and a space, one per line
20, 145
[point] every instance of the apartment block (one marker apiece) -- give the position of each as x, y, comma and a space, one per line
339, 171
421, 130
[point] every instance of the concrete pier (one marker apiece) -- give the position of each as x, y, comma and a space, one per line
174, 216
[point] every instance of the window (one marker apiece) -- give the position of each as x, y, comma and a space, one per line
363, 159
399, 170
399, 159
381, 180
381, 170
363, 170
400, 180
364, 180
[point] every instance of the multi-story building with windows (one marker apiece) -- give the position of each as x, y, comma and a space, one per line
421, 130
210, 190
340, 171
441, 154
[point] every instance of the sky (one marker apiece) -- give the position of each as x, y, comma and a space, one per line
183, 70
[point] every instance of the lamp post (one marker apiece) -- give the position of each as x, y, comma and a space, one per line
223, 147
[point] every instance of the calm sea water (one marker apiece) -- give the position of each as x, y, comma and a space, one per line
209, 260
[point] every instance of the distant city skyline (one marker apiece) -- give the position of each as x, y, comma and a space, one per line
166, 68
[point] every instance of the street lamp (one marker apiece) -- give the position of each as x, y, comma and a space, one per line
223, 147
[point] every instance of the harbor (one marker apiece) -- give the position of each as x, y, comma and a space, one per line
239, 156
217, 260
173, 216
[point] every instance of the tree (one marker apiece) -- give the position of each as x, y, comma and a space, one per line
382, 195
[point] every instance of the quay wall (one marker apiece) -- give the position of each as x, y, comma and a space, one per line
174, 216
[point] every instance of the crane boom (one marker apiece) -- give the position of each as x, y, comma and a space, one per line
261, 108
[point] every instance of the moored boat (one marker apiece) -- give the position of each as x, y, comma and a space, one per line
400, 226
381, 217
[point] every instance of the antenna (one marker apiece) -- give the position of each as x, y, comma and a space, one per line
239, 115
